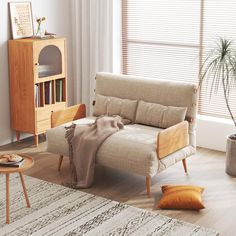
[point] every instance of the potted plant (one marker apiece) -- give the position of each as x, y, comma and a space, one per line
219, 69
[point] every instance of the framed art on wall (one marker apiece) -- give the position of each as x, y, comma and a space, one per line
21, 19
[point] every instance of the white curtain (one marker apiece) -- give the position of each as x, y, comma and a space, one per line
92, 24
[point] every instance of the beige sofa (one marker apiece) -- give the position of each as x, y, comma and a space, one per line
140, 148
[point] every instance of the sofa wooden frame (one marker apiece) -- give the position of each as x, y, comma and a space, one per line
168, 141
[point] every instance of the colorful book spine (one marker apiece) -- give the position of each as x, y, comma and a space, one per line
59, 90
48, 92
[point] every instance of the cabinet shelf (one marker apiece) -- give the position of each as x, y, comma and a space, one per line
50, 92
49, 78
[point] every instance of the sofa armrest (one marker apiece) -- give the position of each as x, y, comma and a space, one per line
172, 139
67, 115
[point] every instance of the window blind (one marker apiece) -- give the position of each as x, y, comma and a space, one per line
219, 21
169, 39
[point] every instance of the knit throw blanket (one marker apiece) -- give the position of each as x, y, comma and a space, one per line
84, 142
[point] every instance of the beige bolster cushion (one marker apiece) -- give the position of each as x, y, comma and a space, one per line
100, 107
115, 106
158, 115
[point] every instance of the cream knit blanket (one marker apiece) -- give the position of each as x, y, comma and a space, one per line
84, 142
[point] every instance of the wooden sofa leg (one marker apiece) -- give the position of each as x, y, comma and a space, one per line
60, 162
185, 166
148, 185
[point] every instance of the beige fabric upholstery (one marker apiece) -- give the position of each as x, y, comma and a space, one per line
173, 116
158, 115
164, 92
132, 149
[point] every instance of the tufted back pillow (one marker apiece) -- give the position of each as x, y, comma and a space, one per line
100, 107
106, 105
158, 115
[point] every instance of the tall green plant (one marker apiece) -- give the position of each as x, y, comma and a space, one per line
219, 68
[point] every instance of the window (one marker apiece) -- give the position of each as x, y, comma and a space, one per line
168, 39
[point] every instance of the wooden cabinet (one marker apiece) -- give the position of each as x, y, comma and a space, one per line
38, 82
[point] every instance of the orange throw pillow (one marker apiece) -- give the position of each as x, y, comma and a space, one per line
181, 197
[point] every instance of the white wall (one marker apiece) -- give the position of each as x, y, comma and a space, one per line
58, 20
212, 132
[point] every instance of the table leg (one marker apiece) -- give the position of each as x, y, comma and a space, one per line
24, 189
36, 140
8, 198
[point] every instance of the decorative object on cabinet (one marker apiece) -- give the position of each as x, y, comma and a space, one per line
40, 32
35, 67
21, 19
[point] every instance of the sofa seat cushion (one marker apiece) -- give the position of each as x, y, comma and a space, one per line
131, 149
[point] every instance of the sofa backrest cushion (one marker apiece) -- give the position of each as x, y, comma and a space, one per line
100, 107
126, 108
173, 116
106, 105
164, 92
158, 115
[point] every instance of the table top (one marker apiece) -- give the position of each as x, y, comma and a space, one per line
28, 163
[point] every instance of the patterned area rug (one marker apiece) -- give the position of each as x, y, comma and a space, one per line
57, 210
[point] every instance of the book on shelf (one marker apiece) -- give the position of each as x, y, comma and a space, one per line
59, 92
48, 92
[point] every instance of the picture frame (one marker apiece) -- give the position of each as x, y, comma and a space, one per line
21, 19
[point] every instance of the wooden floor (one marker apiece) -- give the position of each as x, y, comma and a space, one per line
205, 169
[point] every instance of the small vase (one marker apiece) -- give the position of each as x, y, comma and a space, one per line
40, 32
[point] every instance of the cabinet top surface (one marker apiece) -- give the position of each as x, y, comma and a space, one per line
36, 40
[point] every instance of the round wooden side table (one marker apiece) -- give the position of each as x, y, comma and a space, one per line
28, 163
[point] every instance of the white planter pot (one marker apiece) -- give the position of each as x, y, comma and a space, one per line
231, 156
